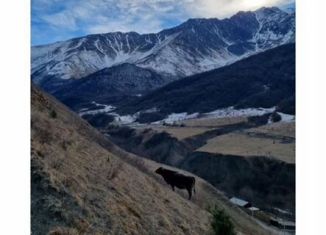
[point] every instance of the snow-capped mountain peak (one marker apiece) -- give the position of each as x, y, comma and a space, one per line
195, 46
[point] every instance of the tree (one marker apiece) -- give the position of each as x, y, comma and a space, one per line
276, 117
221, 223
53, 114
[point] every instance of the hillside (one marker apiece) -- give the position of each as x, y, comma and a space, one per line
114, 84
263, 80
83, 184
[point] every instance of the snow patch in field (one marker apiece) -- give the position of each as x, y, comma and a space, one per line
152, 110
286, 117
127, 119
231, 112
105, 109
175, 117
221, 113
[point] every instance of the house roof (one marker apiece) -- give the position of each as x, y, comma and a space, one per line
238, 201
253, 208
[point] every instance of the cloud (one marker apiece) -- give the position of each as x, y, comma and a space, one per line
78, 17
225, 8
61, 19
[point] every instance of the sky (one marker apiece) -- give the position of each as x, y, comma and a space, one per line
57, 20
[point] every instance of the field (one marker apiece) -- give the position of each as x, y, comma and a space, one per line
276, 140
283, 129
244, 144
194, 127
273, 140
213, 122
181, 132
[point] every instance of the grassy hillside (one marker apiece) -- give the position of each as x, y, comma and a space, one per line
83, 184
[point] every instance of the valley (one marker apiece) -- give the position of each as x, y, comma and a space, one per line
216, 150
245, 150
212, 98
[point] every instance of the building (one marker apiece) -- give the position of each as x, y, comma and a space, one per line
252, 210
282, 224
240, 202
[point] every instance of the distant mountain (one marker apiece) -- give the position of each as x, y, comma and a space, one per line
289, 8
195, 46
109, 85
263, 80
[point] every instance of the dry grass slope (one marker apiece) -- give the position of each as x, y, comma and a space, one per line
81, 188
83, 184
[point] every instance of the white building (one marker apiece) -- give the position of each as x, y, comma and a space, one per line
240, 202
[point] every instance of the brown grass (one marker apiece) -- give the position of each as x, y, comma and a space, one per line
284, 129
214, 122
106, 195
93, 187
195, 126
181, 132
244, 144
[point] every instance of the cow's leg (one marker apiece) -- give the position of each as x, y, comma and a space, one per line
189, 192
172, 186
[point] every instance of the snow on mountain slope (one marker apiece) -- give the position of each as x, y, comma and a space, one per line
195, 46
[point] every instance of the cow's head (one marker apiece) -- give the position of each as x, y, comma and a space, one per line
159, 171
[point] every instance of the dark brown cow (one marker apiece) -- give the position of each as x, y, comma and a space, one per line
175, 179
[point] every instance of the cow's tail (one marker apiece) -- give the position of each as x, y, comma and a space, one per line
194, 184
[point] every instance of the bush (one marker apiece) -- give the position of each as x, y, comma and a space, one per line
276, 117
100, 120
53, 114
259, 120
150, 117
221, 223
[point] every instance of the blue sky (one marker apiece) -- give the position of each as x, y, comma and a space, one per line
56, 20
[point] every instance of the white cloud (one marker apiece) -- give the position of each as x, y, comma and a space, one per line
62, 19
143, 16
225, 8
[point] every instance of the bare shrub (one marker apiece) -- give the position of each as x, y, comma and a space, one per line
82, 225
39, 153
56, 163
53, 114
114, 170
44, 136
65, 144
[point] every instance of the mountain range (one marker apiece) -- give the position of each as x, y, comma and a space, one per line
195, 46
263, 80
